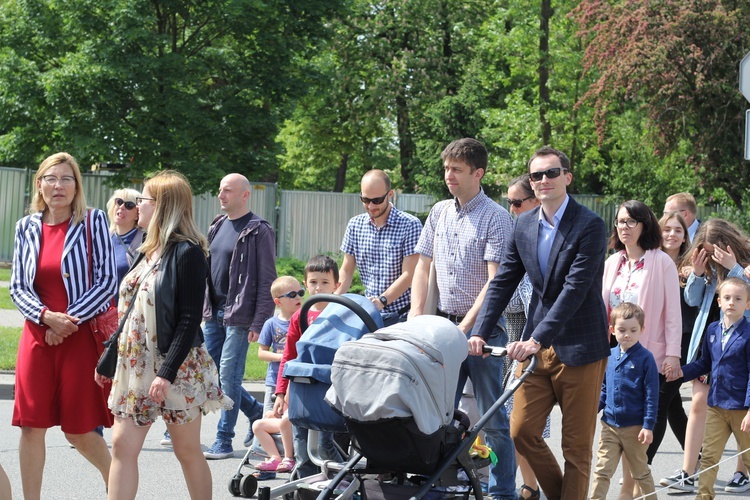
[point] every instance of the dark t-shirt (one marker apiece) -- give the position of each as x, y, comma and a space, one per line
221, 249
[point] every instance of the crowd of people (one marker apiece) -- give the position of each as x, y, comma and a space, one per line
617, 322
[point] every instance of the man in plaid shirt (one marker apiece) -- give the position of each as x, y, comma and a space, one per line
466, 237
381, 244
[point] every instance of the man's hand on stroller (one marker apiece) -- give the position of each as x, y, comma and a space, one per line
476, 343
279, 406
523, 349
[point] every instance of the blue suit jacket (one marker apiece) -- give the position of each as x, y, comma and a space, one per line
566, 309
730, 368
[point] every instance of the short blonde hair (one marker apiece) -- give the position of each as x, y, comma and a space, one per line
125, 194
685, 200
627, 310
173, 220
78, 205
282, 283
738, 282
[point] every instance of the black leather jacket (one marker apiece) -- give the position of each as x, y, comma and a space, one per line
168, 319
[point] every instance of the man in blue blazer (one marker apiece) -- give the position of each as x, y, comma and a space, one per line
561, 245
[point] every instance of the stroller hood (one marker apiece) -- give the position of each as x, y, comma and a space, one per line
408, 370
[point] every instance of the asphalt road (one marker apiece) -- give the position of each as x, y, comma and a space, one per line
69, 476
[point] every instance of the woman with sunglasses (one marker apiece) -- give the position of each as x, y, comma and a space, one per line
720, 251
123, 227
641, 273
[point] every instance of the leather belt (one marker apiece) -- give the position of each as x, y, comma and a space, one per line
452, 317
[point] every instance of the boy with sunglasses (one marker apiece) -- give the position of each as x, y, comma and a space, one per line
287, 295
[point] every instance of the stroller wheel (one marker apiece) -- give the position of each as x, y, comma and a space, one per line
234, 485
248, 486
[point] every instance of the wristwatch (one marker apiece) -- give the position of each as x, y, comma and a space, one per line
383, 300
535, 341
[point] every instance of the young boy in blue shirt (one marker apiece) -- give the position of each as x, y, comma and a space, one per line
630, 399
726, 354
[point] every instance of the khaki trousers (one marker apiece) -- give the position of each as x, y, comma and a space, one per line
577, 390
613, 442
720, 424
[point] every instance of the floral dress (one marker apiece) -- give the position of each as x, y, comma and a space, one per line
197, 383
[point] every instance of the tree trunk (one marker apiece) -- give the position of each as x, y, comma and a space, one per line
544, 99
338, 187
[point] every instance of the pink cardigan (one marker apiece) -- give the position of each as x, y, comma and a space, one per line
659, 297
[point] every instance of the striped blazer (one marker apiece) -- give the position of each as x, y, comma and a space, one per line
84, 301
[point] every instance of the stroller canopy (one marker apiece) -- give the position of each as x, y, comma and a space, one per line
408, 370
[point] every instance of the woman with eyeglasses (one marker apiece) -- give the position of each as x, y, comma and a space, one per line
163, 367
58, 350
720, 251
641, 273
124, 230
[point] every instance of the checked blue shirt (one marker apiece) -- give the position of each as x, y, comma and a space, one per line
379, 252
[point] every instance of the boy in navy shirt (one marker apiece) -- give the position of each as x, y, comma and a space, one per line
630, 398
726, 354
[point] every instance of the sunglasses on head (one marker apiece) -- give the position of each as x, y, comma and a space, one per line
374, 201
129, 205
551, 174
517, 203
293, 294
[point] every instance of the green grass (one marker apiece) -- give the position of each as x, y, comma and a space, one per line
255, 369
4, 274
5, 302
9, 337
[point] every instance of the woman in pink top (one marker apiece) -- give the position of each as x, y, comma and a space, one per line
641, 273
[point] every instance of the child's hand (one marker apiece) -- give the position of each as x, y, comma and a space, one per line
645, 436
745, 425
279, 406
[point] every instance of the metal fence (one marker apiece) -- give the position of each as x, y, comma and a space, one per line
306, 222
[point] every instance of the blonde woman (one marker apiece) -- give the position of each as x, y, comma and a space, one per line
123, 227
58, 350
163, 367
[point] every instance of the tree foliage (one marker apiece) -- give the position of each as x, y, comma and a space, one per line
675, 63
199, 86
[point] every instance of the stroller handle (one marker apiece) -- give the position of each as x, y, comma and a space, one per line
499, 352
338, 299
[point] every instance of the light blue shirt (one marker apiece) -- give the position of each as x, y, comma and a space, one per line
547, 233
693, 229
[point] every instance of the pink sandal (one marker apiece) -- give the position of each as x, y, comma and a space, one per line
286, 465
269, 465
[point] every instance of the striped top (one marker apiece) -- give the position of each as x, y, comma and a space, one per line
84, 301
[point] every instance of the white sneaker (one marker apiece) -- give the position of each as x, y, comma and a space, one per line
166, 440
738, 484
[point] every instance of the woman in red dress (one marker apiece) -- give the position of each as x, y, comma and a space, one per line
57, 352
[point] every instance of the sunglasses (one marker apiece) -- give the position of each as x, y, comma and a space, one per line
129, 205
293, 294
374, 201
517, 203
552, 173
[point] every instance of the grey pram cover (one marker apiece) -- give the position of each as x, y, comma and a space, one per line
406, 370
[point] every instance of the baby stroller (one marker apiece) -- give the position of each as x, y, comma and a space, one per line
347, 317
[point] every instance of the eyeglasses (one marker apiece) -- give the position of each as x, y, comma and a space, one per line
141, 199
293, 294
65, 180
517, 203
621, 223
374, 201
550, 173
129, 205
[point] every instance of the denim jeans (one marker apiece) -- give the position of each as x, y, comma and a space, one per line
326, 450
228, 346
486, 376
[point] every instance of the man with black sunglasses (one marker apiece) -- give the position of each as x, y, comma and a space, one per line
381, 244
562, 246
242, 267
